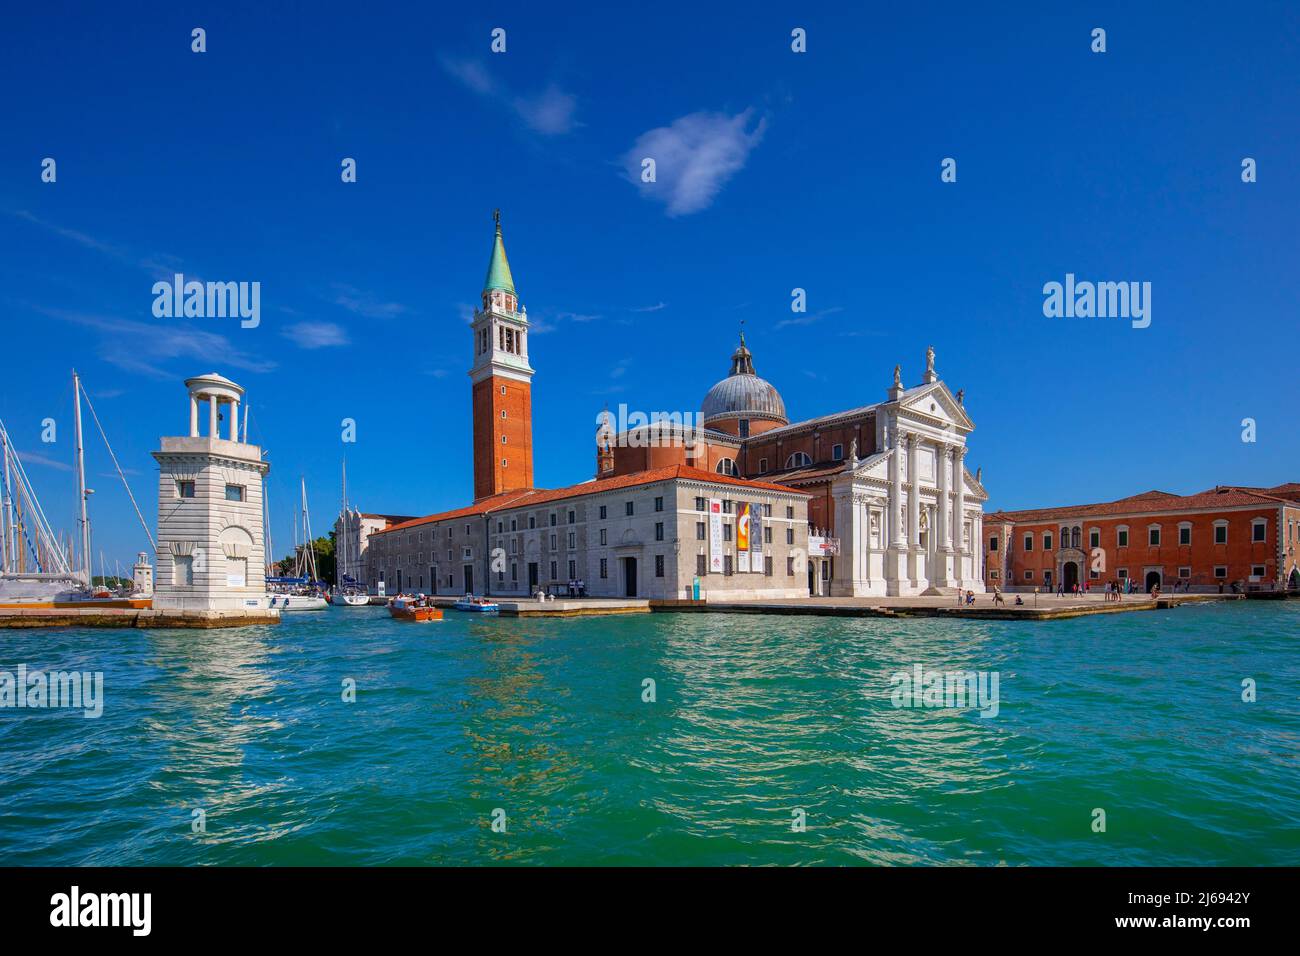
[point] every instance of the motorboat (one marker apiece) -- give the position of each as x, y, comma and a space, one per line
413, 609
480, 605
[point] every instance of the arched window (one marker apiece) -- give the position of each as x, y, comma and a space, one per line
1074, 536
798, 460
727, 466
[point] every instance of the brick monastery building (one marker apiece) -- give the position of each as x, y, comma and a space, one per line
1206, 541
874, 500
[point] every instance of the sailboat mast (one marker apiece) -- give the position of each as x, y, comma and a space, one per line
341, 556
81, 481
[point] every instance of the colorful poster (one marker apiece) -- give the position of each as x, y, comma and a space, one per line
715, 535
742, 528
756, 531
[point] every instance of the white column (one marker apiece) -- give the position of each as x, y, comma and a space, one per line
212, 417
194, 416
896, 495
234, 419
959, 512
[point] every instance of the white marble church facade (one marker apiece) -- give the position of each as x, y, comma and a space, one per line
909, 518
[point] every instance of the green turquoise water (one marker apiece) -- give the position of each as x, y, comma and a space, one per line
1138, 714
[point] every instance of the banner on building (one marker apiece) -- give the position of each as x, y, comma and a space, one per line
742, 529
715, 535
756, 531
742, 562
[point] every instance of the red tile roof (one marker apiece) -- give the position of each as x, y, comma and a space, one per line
527, 497
1225, 496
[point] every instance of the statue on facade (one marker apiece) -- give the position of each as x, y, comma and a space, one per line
853, 450
929, 359
898, 376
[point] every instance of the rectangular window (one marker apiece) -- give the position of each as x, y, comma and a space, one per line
532, 521
552, 542
726, 564
500, 526
554, 577
1047, 541
1184, 572
1220, 534
572, 539
1094, 538
789, 567
726, 506
573, 516
700, 505
183, 570
1094, 575
1153, 537
1123, 574
659, 530
762, 466
701, 565
1029, 575
789, 535
789, 511
1220, 571
699, 531
552, 519
1184, 536
1123, 537
1257, 570
767, 565
604, 567
726, 532
235, 493
573, 570
659, 565
604, 512
767, 534
993, 574
1029, 542
184, 489
659, 503
514, 524
628, 509
837, 452
993, 543
602, 536
1257, 531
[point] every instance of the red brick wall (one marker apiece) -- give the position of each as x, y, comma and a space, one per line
1238, 555
490, 477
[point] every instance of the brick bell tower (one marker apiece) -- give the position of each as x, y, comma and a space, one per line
502, 383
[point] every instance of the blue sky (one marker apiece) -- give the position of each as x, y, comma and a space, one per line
818, 171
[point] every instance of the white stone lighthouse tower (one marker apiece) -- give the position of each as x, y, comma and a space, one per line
211, 543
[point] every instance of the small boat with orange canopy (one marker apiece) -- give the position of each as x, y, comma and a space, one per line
413, 609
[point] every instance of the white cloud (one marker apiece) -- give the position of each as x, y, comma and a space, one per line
694, 158
808, 318
315, 335
652, 308
364, 304
550, 112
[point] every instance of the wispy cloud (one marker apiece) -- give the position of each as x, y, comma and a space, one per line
159, 266
36, 458
315, 335
652, 308
141, 346
694, 158
365, 304
549, 112
578, 317
808, 318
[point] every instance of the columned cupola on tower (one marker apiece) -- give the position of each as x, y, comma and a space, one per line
502, 383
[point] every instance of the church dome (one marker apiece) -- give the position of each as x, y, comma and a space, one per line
743, 395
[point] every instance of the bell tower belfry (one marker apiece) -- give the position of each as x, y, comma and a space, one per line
502, 382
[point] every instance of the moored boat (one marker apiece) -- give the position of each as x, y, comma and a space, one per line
480, 605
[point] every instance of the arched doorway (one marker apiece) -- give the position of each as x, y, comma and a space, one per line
1153, 578
1293, 582
1069, 575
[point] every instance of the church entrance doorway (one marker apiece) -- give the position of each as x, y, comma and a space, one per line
1293, 582
1069, 575
469, 579
1153, 578
629, 577
532, 576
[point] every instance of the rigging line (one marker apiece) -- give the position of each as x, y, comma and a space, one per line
152, 543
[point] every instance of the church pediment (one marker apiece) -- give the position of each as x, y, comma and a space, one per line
936, 403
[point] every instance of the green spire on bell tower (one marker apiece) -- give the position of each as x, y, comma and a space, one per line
498, 274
